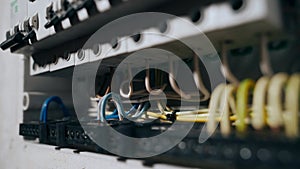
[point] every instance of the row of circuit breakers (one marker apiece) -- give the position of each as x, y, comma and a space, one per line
260, 124
39, 29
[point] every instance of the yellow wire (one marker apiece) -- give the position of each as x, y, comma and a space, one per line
214, 106
258, 114
227, 104
275, 107
188, 118
201, 111
291, 117
259, 119
202, 119
242, 103
156, 115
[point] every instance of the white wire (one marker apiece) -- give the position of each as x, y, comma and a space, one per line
265, 66
225, 67
122, 93
148, 86
198, 80
173, 83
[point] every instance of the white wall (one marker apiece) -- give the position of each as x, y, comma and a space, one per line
11, 81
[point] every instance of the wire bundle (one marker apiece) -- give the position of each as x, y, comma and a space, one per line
267, 108
173, 84
257, 103
119, 113
260, 104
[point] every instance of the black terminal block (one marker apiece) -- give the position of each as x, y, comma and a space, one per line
53, 19
12, 40
69, 10
19, 38
89, 5
256, 150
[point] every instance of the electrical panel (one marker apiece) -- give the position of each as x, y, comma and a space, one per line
205, 84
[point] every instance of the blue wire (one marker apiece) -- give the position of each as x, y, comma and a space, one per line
115, 115
146, 106
103, 102
44, 110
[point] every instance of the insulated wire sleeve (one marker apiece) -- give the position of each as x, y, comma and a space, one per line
44, 110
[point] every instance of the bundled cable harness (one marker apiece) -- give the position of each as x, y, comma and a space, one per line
259, 104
